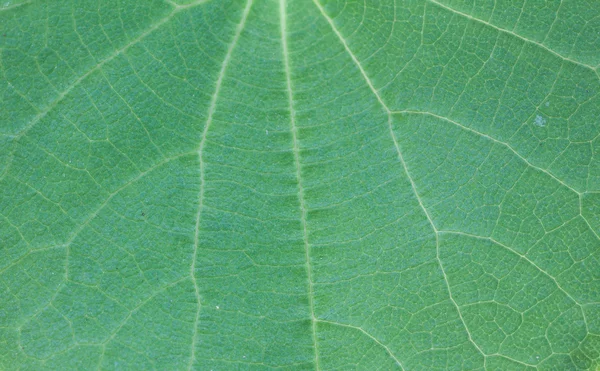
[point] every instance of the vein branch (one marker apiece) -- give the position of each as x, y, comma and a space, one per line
504, 144
96, 67
515, 252
585, 219
200, 153
13, 6
532, 263
404, 166
354, 59
296, 150
586, 66
97, 211
369, 336
133, 311
516, 153
63, 94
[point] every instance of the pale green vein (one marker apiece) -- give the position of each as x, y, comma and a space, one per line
404, 166
179, 7
514, 151
296, 150
13, 6
388, 350
92, 216
62, 95
517, 361
95, 213
200, 152
95, 68
585, 219
156, 94
531, 262
354, 59
39, 193
130, 108
131, 312
16, 228
504, 144
586, 66
28, 253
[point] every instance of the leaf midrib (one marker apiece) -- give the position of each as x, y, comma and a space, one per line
296, 150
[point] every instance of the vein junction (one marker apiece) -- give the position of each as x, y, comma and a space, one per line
403, 163
418, 198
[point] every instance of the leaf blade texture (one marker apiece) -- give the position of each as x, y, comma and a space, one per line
300, 184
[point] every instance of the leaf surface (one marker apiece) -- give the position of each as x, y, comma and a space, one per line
300, 184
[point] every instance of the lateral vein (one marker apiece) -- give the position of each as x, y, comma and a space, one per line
63, 94
488, 137
388, 350
404, 166
509, 32
200, 151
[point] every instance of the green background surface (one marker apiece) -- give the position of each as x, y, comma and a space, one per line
305, 185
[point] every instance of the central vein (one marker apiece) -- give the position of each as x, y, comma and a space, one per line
296, 150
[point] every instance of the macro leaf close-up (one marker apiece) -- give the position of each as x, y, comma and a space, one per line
300, 185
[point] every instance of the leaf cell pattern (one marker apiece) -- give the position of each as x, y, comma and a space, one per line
300, 184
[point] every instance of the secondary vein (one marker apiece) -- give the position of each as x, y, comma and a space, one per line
296, 150
63, 94
357, 328
200, 152
404, 166
509, 32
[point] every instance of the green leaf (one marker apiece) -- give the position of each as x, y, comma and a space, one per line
300, 184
